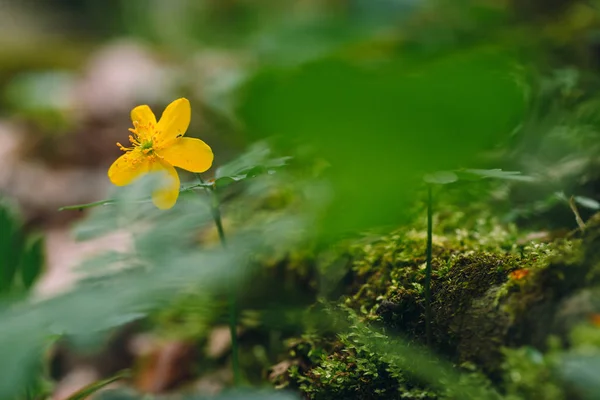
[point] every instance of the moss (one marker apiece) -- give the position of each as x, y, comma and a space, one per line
366, 363
390, 276
386, 284
479, 308
497, 298
559, 296
343, 368
480, 305
533, 302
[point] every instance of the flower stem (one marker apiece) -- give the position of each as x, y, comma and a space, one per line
428, 265
233, 306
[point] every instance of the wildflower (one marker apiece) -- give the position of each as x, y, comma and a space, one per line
157, 147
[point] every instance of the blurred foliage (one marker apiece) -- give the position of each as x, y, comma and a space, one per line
360, 101
92, 388
22, 255
246, 394
41, 97
392, 138
368, 363
559, 373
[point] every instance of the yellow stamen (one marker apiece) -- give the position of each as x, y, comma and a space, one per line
123, 148
134, 141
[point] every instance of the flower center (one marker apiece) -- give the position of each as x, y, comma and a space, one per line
142, 138
147, 145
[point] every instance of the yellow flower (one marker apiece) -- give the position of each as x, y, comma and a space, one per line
157, 147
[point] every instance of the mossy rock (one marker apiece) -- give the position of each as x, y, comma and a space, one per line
485, 298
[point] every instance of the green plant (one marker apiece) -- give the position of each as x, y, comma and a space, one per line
21, 254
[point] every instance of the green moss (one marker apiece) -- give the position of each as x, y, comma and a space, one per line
347, 369
478, 308
389, 276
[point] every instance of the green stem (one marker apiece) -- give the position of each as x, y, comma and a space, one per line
80, 207
428, 266
92, 388
233, 306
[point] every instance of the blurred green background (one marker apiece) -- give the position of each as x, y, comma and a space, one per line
365, 97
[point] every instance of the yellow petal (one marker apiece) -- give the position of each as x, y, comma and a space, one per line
143, 115
188, 153
144, 122
166, 195
128, 167
174, 120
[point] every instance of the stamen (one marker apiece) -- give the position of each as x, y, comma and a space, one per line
134, 141
123, 148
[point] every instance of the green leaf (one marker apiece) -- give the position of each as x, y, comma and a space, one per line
168, 263
588, 202
94, 387
386, 124
255, 161
32, 260
474, 174
228, 180
441, 177
11, 244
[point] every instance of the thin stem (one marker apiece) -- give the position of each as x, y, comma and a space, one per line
233, 306
88, 205
81, 207
575, 210
428, 266
233, 313
216, 212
